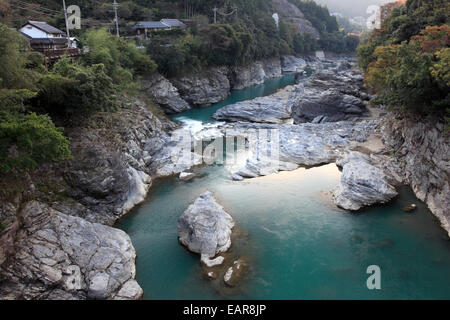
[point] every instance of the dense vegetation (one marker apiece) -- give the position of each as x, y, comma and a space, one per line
244, 37
318, 15
35, 97
407, 61
32, 98
26, 138
249, 34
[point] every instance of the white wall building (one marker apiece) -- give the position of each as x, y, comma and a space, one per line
40, 30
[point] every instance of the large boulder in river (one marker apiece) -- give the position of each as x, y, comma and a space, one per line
330, 106
275, 108
164, 93
362, 184
205, 227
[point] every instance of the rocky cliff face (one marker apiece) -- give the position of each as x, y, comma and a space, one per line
204, 88
58, 250
57, 256
421, 158
254, 73
291, 13
214, 84
160, 90
110, 172
331, 95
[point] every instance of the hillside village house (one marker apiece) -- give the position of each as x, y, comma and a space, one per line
49, 40
39, 30
174, 23
142, 27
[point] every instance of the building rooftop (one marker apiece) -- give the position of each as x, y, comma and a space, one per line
45, 27
173, 22
150, 25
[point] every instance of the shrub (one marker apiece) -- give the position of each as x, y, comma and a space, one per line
72, 90
27, 139
122, 60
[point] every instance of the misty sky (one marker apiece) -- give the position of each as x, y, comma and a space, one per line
351, 8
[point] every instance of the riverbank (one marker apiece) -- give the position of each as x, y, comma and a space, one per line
213, 85
298, 244
355, 143
115, 164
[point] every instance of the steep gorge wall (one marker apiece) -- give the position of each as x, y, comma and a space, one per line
57, 243
421, 158
214, 84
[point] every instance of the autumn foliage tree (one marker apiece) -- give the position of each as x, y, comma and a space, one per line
407, 61
433, 38
413, 75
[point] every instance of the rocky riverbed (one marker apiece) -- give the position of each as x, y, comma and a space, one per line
206, 87
326, 119
57, 243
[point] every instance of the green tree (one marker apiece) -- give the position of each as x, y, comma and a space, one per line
411, 76
221, 44
15, 68
122, 60
72, 91
441, 69
27, 139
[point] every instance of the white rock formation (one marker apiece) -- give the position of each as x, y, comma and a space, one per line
362, 184
205, 227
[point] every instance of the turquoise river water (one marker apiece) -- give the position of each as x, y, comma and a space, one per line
298, 244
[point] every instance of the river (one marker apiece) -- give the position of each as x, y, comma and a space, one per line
299, 245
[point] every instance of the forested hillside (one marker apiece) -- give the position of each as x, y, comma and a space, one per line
251, 27
250, 33
33, 97
407, 61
